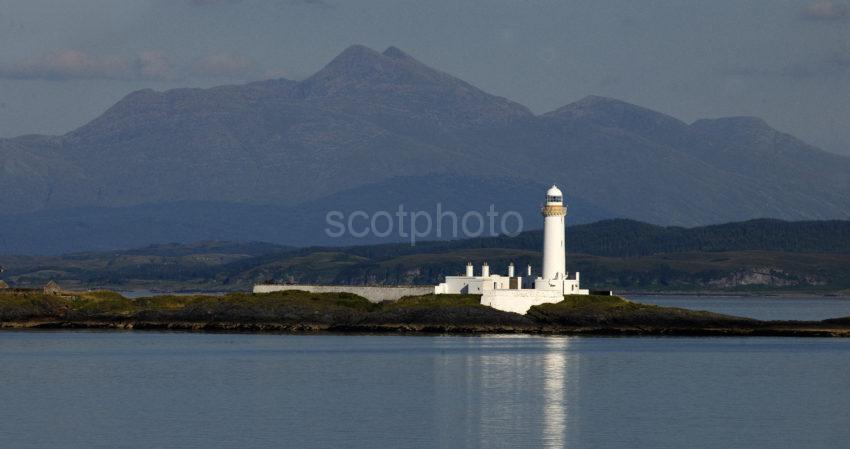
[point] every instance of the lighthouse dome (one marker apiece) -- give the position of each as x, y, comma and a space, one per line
554, 195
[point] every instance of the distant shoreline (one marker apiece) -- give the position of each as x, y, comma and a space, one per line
142, 291
771, 294
757, 257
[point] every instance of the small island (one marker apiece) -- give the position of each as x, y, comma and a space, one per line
304, 312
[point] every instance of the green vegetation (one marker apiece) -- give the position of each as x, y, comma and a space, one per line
290, 305
293, 305
592, 303
103, 303
628, 238
20, 307
267, 302
23, 305
623, 255
298, 311
613, 310
434, 302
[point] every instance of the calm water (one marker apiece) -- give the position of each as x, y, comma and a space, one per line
148, 390
760, 307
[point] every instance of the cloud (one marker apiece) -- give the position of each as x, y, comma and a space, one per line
76, 64
826, 11
153, 64
223, 65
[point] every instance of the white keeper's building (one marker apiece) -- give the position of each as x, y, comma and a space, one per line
508, 292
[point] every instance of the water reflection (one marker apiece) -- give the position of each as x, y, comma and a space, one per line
501, 381
555, 406
512, 393
200, 391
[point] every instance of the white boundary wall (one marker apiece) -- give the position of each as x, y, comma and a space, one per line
373, 293
519, 301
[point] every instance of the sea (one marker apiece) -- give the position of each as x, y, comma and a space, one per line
139, 389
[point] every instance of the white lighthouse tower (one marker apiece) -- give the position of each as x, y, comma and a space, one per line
554, 252
507, 292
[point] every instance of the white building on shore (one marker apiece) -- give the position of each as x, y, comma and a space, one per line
508, 292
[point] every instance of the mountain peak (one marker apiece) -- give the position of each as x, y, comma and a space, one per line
598, 100
396, 53
359, 66
356, 52
385, 83
610, 112
354, 60
595, 105
743, 129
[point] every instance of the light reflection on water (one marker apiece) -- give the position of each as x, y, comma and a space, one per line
142, 390
556, 405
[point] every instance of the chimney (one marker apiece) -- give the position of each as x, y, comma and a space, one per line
511, 270
485, 270
469, 272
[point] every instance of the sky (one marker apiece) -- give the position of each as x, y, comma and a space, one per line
62, 63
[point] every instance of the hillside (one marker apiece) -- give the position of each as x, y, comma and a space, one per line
624, 255
370, 131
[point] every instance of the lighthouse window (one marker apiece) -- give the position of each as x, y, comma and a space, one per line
553, 199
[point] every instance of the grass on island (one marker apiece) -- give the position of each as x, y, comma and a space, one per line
259, 301
433, 302
300, 306
614, 310
22, 305
34, 304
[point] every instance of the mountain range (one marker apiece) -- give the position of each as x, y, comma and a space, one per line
369, 131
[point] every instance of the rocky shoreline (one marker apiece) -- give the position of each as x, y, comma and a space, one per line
769, 329
297, 312
778, 331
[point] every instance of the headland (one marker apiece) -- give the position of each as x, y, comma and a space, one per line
308, 312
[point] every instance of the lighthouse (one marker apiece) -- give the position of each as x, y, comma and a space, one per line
509, 293
554, 251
